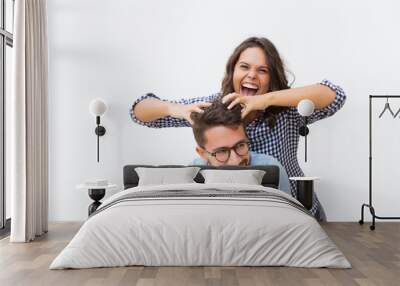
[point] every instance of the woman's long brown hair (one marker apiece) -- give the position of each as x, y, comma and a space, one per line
278, 80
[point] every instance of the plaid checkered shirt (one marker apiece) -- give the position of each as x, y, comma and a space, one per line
281, 141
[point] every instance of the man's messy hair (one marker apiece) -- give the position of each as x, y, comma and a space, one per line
215, 115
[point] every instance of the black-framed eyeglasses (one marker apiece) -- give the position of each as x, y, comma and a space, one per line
222, 155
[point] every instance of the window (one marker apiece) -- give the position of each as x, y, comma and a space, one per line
6, 44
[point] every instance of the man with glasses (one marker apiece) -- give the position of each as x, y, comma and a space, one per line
222, 140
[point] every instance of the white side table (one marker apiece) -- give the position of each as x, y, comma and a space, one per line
96, 193
305, 189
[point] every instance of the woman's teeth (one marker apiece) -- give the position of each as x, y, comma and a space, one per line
249, 85
248, 89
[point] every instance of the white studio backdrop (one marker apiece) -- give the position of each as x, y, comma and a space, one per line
118, 50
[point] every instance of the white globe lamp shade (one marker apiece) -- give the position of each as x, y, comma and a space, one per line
305, 107
97, 107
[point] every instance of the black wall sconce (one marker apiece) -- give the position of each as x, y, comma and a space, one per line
305, 108
97, 108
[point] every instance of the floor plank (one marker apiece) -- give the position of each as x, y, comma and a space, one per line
374, 255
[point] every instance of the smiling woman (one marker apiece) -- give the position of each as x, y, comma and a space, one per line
254, 68
249, 77
255, 79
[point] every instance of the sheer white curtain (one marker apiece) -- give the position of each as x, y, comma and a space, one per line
28, 160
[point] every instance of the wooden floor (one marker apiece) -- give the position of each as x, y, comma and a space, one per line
374, 255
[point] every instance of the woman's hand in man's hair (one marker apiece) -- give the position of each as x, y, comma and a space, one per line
183, 111
248, 103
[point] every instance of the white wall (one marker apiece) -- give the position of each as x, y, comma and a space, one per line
118, 50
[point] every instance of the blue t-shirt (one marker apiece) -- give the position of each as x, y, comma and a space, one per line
257, 159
